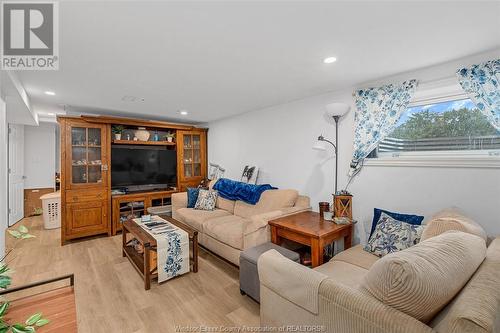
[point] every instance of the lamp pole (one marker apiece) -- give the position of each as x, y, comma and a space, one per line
336, 111
322, 138
336, 118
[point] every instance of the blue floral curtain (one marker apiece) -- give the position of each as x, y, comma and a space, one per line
482, 84
377, 113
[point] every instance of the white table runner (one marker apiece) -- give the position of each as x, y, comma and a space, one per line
172, 245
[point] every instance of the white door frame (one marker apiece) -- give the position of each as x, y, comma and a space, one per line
16, 173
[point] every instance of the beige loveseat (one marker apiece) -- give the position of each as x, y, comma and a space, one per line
235, 225
449, 282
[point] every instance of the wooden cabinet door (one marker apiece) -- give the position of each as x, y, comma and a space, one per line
86, 218
192, 161
85, 155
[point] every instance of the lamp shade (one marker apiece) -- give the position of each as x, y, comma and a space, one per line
337, 109
319, 145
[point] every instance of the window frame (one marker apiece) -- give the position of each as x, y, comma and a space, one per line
431, 93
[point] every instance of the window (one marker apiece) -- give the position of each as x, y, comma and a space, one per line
441, 128
449, 126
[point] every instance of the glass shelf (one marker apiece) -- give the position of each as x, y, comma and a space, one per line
86, 152
192, 155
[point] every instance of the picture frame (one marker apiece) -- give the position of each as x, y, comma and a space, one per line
250, 174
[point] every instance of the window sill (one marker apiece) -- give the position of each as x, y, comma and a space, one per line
486, 162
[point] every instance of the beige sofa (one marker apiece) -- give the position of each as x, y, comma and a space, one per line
235, 225
449, 282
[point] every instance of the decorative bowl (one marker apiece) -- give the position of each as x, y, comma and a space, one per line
142, 134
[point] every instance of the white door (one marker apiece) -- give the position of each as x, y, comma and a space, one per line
16, 173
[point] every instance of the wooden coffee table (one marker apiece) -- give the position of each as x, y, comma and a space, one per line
142, 262
308, 228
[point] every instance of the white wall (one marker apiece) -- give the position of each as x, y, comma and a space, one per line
4, 217
279, 140
40, 155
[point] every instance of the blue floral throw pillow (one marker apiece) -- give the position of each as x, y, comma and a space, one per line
392, 235
206, 200
192, 194
408, 218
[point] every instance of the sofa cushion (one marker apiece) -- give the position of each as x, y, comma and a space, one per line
451, 219
269, 200
391, 235
227, 230
422, 279
343, 272
195, 218
206, 200
222, 203
192, 195
477, 305
408, 218
225, 204
357, 256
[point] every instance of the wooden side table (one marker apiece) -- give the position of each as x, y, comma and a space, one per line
308, 228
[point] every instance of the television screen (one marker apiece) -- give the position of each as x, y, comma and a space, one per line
143, 165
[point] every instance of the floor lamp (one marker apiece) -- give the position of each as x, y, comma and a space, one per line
336, 111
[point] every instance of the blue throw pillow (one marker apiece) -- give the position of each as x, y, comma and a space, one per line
408, 218
192, 196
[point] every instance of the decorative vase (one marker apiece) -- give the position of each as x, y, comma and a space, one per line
118, 136
142, 134
170, 139
323, 207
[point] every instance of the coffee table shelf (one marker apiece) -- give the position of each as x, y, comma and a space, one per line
137, 260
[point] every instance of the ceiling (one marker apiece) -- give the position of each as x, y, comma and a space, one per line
217, 59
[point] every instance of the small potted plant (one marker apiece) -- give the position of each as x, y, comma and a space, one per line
170, 137
117, 131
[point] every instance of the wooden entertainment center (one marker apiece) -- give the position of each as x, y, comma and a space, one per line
87, 205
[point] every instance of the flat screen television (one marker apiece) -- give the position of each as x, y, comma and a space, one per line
143, 166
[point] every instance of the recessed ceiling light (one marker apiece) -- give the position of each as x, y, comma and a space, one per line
129, 98
50, 93
51, 114
183, 112
329, 60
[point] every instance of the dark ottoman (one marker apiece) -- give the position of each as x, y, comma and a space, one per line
249, 277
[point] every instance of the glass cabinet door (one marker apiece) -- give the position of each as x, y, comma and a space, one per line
196, 155
193, 160
86, 155
192, 155
188, 156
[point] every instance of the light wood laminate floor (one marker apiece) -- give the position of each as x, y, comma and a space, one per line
110, 295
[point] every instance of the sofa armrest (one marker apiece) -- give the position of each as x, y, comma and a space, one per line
303, 201
302, 296
292, 281
261, 220
179, 200
351, 310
